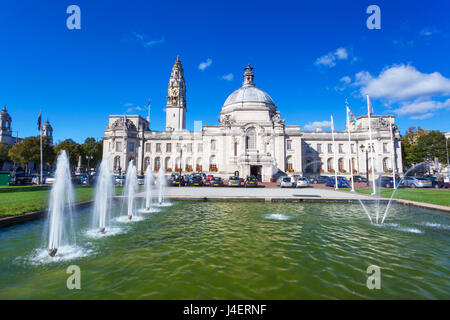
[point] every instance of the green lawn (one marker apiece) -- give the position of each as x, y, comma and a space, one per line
16, 200
434, 196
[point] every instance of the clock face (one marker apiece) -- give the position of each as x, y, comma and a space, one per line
175, 92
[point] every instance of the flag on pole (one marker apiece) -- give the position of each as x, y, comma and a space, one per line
40, 120
369, 106
350, 115
332, 124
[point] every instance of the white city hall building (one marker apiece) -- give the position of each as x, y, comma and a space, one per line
250, 139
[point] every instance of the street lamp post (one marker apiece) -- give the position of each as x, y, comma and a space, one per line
363, 149
88, 158
181, 157
448, 165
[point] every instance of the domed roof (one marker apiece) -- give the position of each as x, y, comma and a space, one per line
248, 92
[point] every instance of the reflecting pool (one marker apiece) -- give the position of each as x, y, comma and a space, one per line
235, 250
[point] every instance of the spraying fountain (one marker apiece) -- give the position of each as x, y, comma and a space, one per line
131, 188
388, 206
148, 183
60, 205
161, 186
103, 196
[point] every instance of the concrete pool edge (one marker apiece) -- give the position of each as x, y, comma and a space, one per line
12, 220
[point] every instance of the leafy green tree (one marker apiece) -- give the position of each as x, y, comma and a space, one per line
29, 150
94, 149
430, 146
4, 148
409, 146
73, 150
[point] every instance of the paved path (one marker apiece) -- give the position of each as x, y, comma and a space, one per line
259, 193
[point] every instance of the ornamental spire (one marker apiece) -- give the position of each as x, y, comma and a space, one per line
248, 77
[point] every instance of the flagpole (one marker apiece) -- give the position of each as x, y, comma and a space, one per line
392, 154
42, 166
349, 145
371, 147
334, 155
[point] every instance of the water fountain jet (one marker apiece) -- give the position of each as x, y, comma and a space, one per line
103, 196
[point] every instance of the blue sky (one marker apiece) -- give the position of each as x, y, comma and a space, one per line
309, 56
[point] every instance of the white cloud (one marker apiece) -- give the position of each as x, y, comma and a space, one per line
341, 53
329, 59
203, 65
421, 109
147, 43
401, 82
428, 31
346, 79
228, 77
317, 124
326, 60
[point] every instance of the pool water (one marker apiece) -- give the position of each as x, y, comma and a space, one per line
236, 250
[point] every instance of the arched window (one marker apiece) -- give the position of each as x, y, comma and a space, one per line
146, 163
289, 163
330, 164
167, 163
386, 166
116, 162
157, 163
188, 165
198, 165
341, 164
212, 163
250, 139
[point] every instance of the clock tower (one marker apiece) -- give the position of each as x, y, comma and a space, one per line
176, 99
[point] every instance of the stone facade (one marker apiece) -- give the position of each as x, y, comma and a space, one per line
251, 138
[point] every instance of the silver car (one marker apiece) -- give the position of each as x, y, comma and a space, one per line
302, 182
287, 182
416, 182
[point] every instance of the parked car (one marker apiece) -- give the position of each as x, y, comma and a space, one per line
341, 182
415, 182
278, 182
176, 180
196, 181
359, 179
287, 182
209, 177
216, 182
234, 182
435, 182
119, 180
301, 182
318, 179
21, 178
385, 181
251, 182
140, 180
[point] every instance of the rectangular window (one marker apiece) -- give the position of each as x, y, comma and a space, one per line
330, 148
148, 147
352, 148
118, 146
385, 147
189, 147
200, 147
319, 148
158, 147
341, 148
213, 144
289, 144
131, 147
168, 147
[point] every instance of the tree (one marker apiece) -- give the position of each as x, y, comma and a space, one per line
409, 146
4, 148
29, 151
73, 150
92, 149
430, 146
